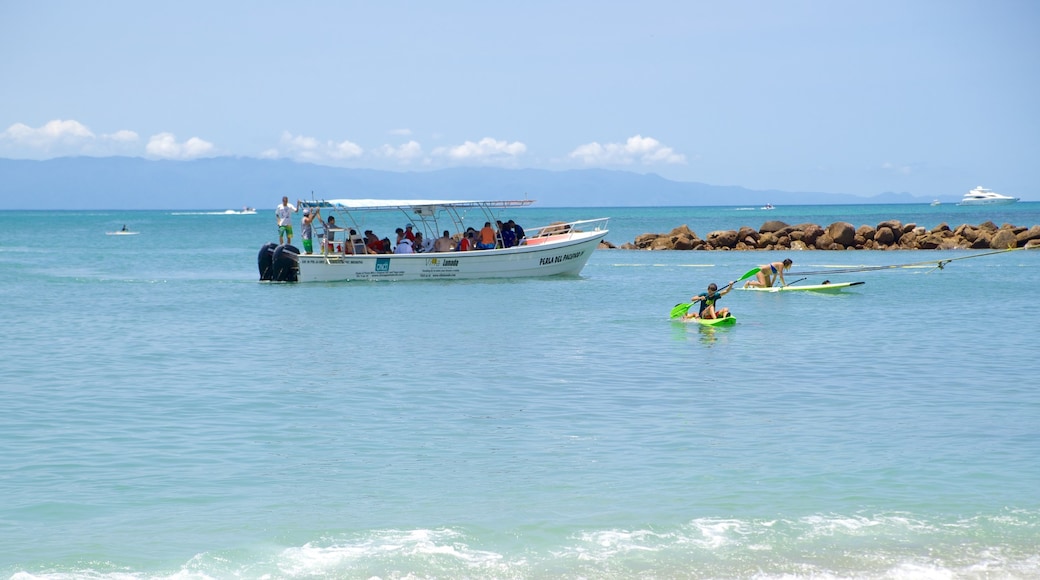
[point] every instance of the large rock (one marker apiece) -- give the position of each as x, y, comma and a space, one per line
894, 225
1003, 239
865, 232
811, 233
722, 238
772, 226
748, 235
842, 233
889, 235
1027, 236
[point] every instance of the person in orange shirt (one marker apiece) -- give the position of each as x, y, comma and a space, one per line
487, 237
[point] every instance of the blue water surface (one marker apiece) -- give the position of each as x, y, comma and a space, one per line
166, 414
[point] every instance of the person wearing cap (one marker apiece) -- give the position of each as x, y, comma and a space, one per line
307, 229
283, 215
408, 233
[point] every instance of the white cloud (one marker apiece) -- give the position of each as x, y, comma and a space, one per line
405, 153
56, 133
65, 137
485, 150
165, 146
637, 149
312, 150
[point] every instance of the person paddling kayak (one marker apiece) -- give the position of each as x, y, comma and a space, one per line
707, 309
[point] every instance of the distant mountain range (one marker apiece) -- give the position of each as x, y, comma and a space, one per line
78, 183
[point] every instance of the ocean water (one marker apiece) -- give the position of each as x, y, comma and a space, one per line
166, 415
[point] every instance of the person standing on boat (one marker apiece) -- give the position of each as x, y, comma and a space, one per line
707, 300
283, 213
508, 235
769, 273
518, 232
307, 229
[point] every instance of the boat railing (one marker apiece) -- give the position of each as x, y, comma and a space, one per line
557, 229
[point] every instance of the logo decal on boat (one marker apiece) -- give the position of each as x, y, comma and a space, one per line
560, 258
382, 264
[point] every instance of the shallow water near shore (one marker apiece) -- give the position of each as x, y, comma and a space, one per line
168, 415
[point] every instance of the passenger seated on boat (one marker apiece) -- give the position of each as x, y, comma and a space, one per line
419, 244
487, 237
355, 244
465, 243
404, 247
443, 243
373, 243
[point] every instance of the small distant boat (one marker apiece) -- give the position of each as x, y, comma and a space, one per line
122, 232
243, 211
935, 202
982, 196
768, 206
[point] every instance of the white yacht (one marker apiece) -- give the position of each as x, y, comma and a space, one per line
982, 196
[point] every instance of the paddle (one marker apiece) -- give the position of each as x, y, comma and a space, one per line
681, 308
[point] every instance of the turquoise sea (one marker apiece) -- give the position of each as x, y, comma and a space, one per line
166, 415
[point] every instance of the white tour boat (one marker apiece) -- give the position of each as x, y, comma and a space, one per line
342, 255
982, 196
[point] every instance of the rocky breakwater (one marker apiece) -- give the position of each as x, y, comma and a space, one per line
887, 235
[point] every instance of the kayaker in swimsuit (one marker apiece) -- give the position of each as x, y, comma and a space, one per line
769, 273
707, 300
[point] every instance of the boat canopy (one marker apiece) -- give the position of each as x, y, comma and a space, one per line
404, 204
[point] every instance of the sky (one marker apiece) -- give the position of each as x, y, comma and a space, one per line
929, 97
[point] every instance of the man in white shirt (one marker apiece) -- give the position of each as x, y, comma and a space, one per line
283, 214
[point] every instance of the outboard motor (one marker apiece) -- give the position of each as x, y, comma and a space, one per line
263, 261
285, 264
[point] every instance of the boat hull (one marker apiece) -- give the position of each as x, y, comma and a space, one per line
989, 201
564, 256
834, 287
